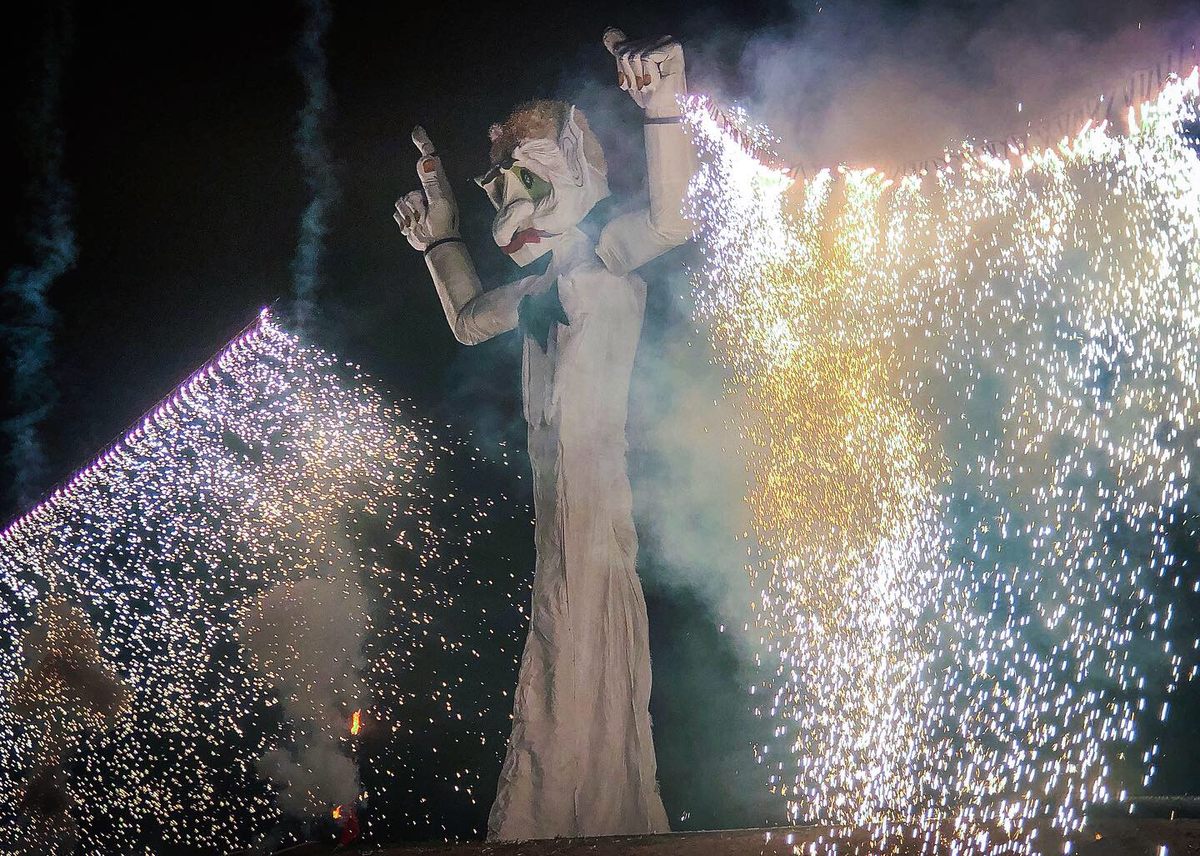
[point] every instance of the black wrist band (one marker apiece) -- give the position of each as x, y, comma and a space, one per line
663, 120
441, 241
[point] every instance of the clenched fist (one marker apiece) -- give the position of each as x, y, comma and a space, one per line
429, 214
650, 70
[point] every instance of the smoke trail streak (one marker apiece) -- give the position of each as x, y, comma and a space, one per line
313, 150
29, 336
317, 770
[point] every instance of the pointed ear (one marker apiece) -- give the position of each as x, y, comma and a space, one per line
570, 141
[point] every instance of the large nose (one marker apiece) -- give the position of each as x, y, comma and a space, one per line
513, 216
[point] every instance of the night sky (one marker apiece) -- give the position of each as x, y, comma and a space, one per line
179, 124
179, 146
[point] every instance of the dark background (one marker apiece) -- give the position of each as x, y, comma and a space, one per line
179, 123
178, 135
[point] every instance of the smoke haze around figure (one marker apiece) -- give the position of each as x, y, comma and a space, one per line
581, 758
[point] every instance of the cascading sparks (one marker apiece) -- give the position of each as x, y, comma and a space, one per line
969, 401
274, 471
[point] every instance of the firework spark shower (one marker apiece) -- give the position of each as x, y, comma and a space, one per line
969, 400
275, 486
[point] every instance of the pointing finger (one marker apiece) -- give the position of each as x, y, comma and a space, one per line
433, 178
421, 140
429, 167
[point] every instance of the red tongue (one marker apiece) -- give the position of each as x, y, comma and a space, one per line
525, 236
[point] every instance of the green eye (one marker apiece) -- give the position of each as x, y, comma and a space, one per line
536, 186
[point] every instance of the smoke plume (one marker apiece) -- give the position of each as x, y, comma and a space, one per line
66, 690
306, 638
313, 150
45, 806
30, 332
869, 83
67, 687
879, 84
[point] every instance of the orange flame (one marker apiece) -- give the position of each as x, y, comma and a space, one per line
337, 812
356, 722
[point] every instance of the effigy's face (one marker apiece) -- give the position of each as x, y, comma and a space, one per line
524, 226
544, 188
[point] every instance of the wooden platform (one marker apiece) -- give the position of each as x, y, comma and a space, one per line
1104, 837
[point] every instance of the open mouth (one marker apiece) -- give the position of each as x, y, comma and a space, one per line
525, 236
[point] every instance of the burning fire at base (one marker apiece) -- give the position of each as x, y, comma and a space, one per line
346, 814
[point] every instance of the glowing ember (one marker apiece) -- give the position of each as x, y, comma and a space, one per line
356, 722
965, 398
274, 461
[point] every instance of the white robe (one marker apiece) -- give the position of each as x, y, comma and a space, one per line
580, 761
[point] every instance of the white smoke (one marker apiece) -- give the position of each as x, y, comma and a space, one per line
873, 84
306, 638
65, 691
313, 150
29, 335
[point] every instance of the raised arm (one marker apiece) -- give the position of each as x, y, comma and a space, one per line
429, 219
652, 71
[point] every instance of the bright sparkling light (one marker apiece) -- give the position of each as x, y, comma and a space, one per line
276, 469
966, 399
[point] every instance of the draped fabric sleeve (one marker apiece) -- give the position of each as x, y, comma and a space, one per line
633, 239
474, 315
